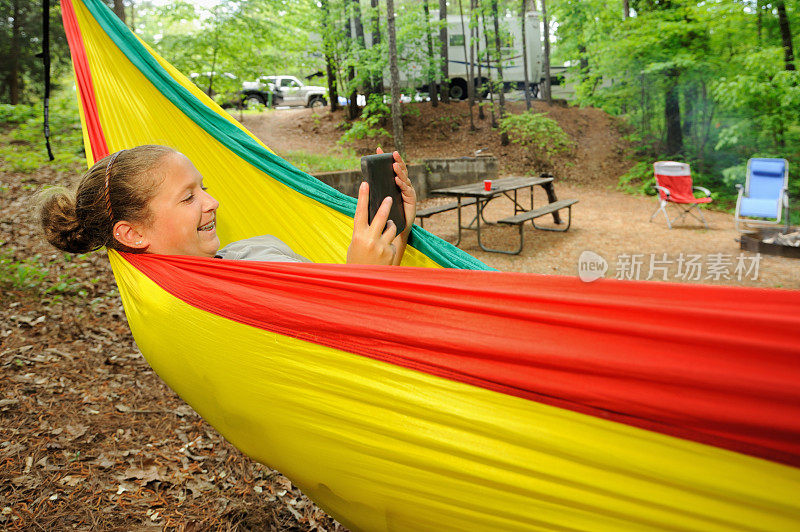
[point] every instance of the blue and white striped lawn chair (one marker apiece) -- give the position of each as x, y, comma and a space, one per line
764, 198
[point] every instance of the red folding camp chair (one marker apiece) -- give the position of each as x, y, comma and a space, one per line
674, 186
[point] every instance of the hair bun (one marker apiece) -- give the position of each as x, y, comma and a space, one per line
61, 225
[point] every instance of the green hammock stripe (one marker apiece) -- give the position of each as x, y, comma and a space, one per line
245, 147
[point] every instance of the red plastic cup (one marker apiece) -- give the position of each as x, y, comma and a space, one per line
487, 184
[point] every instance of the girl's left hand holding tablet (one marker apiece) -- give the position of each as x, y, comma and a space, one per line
371, 244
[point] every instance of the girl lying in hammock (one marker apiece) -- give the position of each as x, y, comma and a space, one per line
151, 199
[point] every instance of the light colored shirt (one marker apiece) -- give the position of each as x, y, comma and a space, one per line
265, 247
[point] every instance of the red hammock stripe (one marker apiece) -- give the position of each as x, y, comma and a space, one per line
717, 365
97, 140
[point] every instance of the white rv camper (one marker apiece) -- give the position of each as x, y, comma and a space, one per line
512, 63
413, 58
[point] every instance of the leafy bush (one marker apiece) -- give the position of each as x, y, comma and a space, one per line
537, 130
638, 180
33, 275
16, 114
22, 147
21, 275
451, 123
370, 125
734, 175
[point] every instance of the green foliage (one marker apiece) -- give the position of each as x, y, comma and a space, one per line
22, 142
312, 162
35, 275
232, 42
23, 275
452, 123
638, 180
766, 98
723, 59
370, 125
20, 42
734, 175
16, 114
537, 130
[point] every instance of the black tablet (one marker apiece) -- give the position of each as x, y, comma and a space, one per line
379, 173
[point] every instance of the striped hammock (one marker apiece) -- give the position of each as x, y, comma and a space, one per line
442, 397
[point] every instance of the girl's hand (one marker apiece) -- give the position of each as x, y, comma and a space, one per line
407, 190
369, 245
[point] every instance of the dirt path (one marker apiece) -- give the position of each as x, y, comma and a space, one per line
291, 130
598, 157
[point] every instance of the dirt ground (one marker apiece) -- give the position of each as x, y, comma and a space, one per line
616, 227
606, 221
92, 439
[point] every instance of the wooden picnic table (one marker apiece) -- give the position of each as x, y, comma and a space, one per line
500, 187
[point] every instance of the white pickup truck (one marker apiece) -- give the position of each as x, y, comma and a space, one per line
285, 90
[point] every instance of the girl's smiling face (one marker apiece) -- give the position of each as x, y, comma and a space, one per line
182, 214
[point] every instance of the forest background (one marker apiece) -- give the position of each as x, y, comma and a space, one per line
712, 83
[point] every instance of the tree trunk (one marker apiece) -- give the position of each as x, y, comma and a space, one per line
397, 118
468, 70
333, 94
786, 36
546, 60
672, 116
14, 89
584, 62
119, 9
377, 83
525, 58
488, 65
432, 90
329, 62
689, 111
358, 44
476, 46
445, 85
498, 50
626, 9
338, 53
708, 116
472, 56
132, 12
211, 74
352, 106
645, 124
759, 9
358, 24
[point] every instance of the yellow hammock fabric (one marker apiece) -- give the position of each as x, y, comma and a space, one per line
385, 441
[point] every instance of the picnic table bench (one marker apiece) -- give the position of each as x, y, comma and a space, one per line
476, 194
520, 219
436, 209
